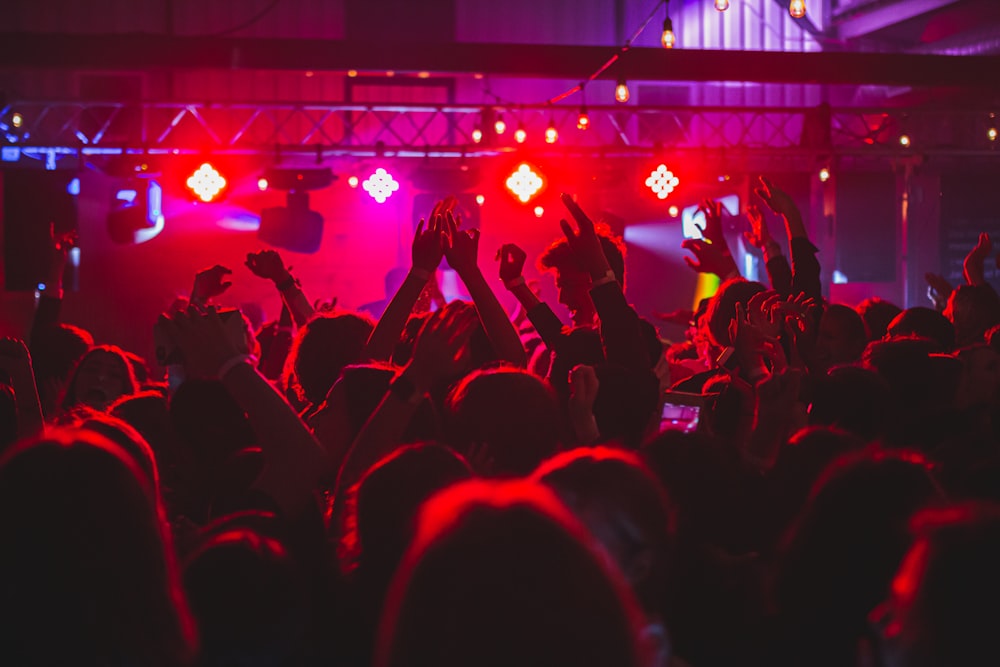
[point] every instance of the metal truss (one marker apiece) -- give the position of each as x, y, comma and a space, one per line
95, 128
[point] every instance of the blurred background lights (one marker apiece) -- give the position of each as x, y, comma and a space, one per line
539, 211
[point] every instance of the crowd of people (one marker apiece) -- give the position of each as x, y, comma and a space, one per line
455, 485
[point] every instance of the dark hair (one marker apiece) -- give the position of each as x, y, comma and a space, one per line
87, 558
722, 308
973, 310
322, 348
606, 484
513, 413
851, 398
8, 416
130, 384
500, 574
626, 403
924, 323
877, 314
559, 255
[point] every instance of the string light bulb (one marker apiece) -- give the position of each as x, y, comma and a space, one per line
904, 140
797, 8
477, 135
520, 134
583, 120
722, 5
991, 134
824, 174
551, 133
621, 91
500, 126
668, 39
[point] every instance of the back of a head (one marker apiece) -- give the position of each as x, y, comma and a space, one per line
148, 413
513, 413
722, 308
842, 335
209, 421
626, 403
248, 598
622, 503
323, 347
56, 351
559, 255
87, 561
502, 574
851, 398
877, 314
973, 310
922, 322
365, 386
942, 609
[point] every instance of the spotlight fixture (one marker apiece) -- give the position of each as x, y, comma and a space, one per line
380, 185
668, 39
136, 213
662, 181
206, 182
797, 8
294, 226
722, 5
524, 183
621, 91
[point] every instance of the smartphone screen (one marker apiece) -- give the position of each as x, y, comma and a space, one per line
680, 417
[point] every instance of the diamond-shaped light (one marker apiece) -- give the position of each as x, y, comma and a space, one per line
380, 185
524, 183
206, 182
662, 181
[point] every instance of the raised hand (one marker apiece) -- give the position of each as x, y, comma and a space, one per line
61, 243
429, 243
267, 264
759, 235
712, 229
511, 258
776, 199
463, 251
938, 290
764, 315
584, 242
205, 342
973, 266
210, 283
440, 347
710, 258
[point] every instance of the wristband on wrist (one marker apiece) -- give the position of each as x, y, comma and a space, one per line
234, 362
287, 283
608, 277
516, 282
421, 274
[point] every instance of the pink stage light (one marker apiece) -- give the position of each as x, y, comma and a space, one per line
206, 182
380, 185
524, 183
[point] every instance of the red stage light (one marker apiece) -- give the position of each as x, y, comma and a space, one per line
206, 183
662, 181
524, 183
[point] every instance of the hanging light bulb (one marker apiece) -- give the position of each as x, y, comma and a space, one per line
991, 134
551, 134
668, 39
583, 120
621, 91
477, 135
500, 126
797, 8
722, 5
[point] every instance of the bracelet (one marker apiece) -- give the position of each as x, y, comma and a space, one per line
403, 389
516, 282
287, 283
234, 362
608, 277
420, 274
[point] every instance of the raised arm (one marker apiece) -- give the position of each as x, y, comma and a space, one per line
620, 333
268, 264
15, 360
294, 459
209, 283
805, 266
49, 308
973, 267
428, 248
546, 323
711, 251
462, 256
779, 271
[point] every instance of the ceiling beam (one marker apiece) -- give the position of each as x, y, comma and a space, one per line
869, 19
573, 63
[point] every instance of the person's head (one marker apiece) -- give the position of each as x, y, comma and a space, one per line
249, 598
877, 314
722, 308
322, 348
87, 559
353, 399
622, 504
851, 398
510, 412
925, 323
210, 424
572, 279
842, 337
838, 558
147, 413
980, 385
942, 605
973, 310
55, 352
102, 376
503, 574
627, 405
